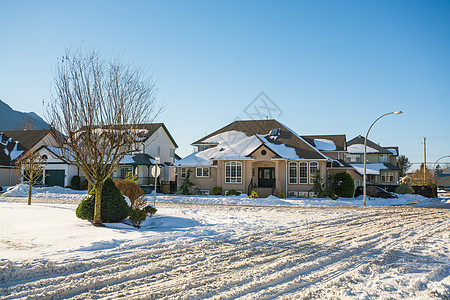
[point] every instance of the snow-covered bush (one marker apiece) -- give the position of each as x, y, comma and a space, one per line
404, 188
217, 190
137, 216
114, 208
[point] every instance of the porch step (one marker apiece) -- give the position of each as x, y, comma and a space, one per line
263, 192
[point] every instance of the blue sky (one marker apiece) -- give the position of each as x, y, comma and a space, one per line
332, 67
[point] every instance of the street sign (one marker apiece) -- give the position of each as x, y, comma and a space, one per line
158, 170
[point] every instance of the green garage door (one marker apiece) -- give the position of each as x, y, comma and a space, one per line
54, 177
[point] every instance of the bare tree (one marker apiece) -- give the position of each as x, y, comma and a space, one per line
31, 170
98, 106
26, 124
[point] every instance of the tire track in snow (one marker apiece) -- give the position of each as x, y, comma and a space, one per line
265, 265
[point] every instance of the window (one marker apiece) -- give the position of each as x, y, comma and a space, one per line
233, 172
183, 173
303, 172
158, 150
387, 177
357, 183
313, 167
292, 172
383, 158
312, 194
275, 131
302, 194
172, 152
203, 147
124, 170
292, 194
202, 172
204, 192
352, 157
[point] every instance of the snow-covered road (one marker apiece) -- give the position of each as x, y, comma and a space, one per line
383, 252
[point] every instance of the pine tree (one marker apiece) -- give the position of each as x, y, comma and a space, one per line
185, 187
403, 164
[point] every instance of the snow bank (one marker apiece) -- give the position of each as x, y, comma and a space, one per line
53, 192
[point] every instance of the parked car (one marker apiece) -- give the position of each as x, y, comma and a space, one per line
375, 192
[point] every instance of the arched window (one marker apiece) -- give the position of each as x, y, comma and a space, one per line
292, 172
303, 172
233, 172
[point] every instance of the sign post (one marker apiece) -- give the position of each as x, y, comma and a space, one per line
156, 173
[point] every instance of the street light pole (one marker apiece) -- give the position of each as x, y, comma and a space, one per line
365, 152
432, 170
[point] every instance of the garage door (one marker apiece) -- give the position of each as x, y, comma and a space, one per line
54, 177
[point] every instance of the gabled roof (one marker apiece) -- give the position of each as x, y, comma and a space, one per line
393, 150
262, 128
27, 138
137, 159
9, 150
335, 142
356, 145
147, 130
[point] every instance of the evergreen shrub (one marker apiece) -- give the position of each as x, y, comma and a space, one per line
343, 185
114, 208
217, 190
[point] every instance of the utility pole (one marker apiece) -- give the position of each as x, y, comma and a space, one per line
424, 160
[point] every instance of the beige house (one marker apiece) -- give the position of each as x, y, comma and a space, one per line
381, 164
263, 156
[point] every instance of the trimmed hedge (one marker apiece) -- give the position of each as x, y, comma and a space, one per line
114, 208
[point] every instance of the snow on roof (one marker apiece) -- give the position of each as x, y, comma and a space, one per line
15, 153
359, 148
325, 145
371, 169
234, 145
393, 151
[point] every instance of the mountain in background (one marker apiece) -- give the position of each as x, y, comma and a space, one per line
11, 119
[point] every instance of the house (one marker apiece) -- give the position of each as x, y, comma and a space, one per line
154, 141
33, 139
10, 150
381, 163
260, 155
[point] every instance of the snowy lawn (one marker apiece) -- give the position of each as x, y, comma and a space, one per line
194, 249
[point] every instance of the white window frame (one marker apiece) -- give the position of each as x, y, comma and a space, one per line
293, 178
183, 172
204, 172
385, 158
204, 192
229, 177
352, 157
385, 175
312, 194
292, 194
357, 183
301, 165
312, 171
303, 194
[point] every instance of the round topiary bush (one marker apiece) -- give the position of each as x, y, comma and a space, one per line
75, 182
217, 190
114, 208
343, 185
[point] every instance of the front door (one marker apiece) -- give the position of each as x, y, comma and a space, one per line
266, 177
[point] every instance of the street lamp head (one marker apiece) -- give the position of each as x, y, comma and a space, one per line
398, 112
